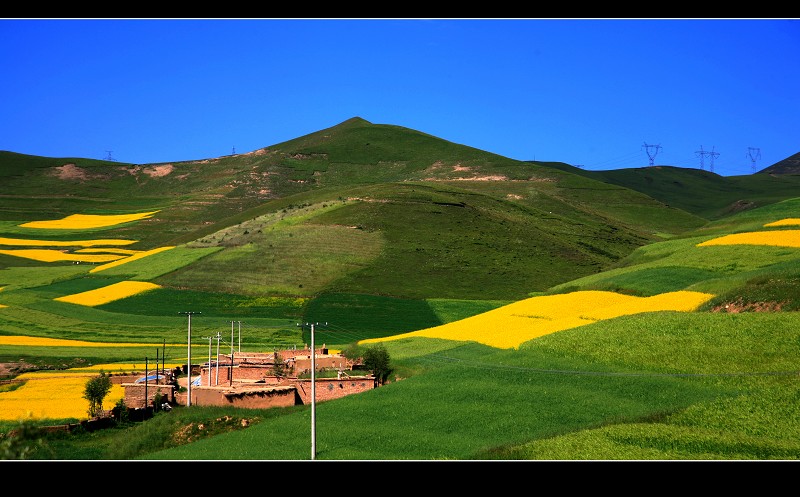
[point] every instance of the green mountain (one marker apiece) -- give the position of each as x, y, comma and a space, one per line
358, 208
379, 230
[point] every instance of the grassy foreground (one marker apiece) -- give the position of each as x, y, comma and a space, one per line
622, 389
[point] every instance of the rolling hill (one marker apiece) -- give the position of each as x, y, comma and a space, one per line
386, 232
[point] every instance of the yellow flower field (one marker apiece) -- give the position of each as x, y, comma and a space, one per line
511, 325
131, 367
125, 260
59, 342
51, 255
87, 221
52, 396
777, 238
108, 293
59, 394
792, 221
108, 250
61, 243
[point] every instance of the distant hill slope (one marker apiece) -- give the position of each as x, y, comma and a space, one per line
789, 165
700, 192
376, 209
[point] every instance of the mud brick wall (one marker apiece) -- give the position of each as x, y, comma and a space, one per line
251, 399
303, 364
134, 394
221, 377
333, 388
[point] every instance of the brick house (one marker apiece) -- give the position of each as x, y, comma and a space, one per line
255, 380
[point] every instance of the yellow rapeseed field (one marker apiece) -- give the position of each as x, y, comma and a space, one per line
51, 255
792, 221
107, 250
87, 221
59, 342
777, 238
125, 260
59, 394
108, 293
132, 367
61, 243
47, 395
511, 325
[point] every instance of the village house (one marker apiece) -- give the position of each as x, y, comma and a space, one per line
253, 380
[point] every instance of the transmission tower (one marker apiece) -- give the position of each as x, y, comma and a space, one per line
652, 155
108, 157
754, 154
702, 153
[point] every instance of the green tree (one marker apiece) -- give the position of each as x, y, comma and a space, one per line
353, 351
278, 367
376, 359
120, 411
96, 390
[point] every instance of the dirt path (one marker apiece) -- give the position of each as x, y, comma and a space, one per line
12, 369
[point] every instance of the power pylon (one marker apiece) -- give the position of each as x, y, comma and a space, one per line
652, 155
754, 154
702, 153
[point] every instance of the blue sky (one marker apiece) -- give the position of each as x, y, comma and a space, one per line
595, 93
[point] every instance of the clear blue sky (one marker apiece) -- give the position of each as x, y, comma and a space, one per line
591, 93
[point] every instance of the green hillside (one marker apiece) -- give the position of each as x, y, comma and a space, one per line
380, 230
357, 209
697, 191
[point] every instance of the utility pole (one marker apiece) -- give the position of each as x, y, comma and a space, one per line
652, 155
163, 364
189, 358
240, 335
313, 392
209, 360
754, 154
216, 380
231, 366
